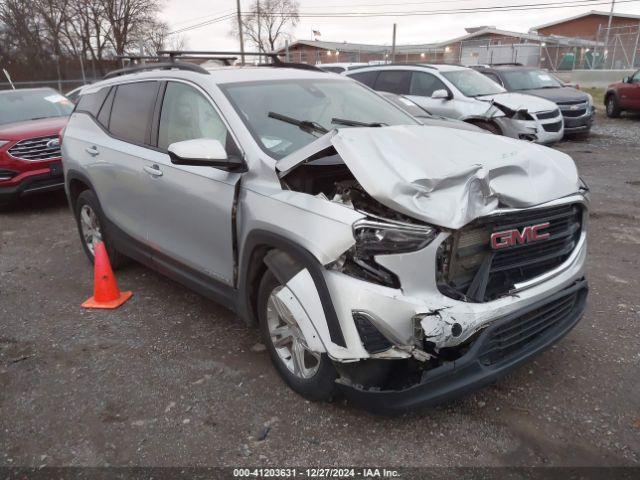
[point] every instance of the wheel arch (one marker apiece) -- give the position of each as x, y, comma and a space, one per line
264, 250
76, 183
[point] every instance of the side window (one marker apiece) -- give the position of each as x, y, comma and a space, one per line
424, 84
636, 77
105, 111
492, 76
368, 78
394, 81
186, 114
131, 111
91, 102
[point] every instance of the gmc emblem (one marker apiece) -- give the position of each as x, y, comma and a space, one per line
510, 238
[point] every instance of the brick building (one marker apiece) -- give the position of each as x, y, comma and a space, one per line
587, 25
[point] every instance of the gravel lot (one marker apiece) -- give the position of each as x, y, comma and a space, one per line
173, 379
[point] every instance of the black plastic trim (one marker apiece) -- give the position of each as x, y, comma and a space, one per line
258, 238
26, 187
467, 373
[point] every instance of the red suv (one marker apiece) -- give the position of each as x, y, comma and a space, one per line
30, 125
623, 96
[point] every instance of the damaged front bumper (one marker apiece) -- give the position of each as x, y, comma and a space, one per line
498, 349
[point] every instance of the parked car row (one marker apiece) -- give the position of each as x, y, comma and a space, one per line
491, 98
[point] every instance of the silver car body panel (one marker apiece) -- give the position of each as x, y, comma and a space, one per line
421, 171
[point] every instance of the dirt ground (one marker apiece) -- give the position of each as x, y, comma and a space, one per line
174, 379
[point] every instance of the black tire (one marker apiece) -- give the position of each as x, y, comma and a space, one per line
320, 387
488, 126
611, 106
87, 197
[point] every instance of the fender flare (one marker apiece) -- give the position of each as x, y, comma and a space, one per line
293, 259
72, 175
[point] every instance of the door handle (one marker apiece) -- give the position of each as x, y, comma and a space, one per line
93, 150
153, 170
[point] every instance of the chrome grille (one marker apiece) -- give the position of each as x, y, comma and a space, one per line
574, 109
477, 273
39, 148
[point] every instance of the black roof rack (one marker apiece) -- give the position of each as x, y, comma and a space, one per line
273, 56
166, 60
156, 66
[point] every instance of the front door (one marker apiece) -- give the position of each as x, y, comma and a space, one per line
421, 88
190, 210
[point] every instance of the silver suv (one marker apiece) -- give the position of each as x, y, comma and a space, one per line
397, 263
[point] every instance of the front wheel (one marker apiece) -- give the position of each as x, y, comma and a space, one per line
308, 373
613, 110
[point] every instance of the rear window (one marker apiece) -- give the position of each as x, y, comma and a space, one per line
91, 102
131, 111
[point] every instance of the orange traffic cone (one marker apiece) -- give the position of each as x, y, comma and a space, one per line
105, 289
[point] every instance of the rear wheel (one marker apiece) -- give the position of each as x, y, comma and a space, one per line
91, 223
611, 104
308, 373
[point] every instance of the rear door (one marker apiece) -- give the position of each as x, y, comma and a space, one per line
120, 153
190, 216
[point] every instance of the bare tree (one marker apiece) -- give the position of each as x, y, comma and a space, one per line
159, 38
129, 21
268, 23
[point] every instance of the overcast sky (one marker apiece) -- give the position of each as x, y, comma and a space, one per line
411, 29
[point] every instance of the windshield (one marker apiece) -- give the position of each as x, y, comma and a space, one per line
324, 103
472, 83
22, 105
529, 80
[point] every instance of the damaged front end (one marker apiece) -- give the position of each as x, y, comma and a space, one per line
429, 309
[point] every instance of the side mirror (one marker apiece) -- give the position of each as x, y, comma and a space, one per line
626, 80
204, 152
441, 94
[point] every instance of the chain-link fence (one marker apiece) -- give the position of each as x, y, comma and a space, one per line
63, 86
617, 48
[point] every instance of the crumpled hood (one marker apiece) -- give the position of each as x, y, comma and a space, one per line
518, 101
444, 176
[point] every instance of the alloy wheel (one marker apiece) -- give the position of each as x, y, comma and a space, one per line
288, 340
90, 227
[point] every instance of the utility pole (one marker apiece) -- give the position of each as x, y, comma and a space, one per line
259, 30
393, 45
606, 38
240, 33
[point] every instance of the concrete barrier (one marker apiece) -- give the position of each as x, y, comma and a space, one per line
594, 78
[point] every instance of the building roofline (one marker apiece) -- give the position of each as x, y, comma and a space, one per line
586, 14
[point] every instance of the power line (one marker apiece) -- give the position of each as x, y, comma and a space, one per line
505, 8
456, 11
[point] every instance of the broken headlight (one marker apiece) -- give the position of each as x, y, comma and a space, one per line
377, 238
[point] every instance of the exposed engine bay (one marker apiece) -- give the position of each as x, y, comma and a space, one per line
326, 175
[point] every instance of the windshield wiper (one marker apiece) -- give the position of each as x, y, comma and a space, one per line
304, 125
355, 123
